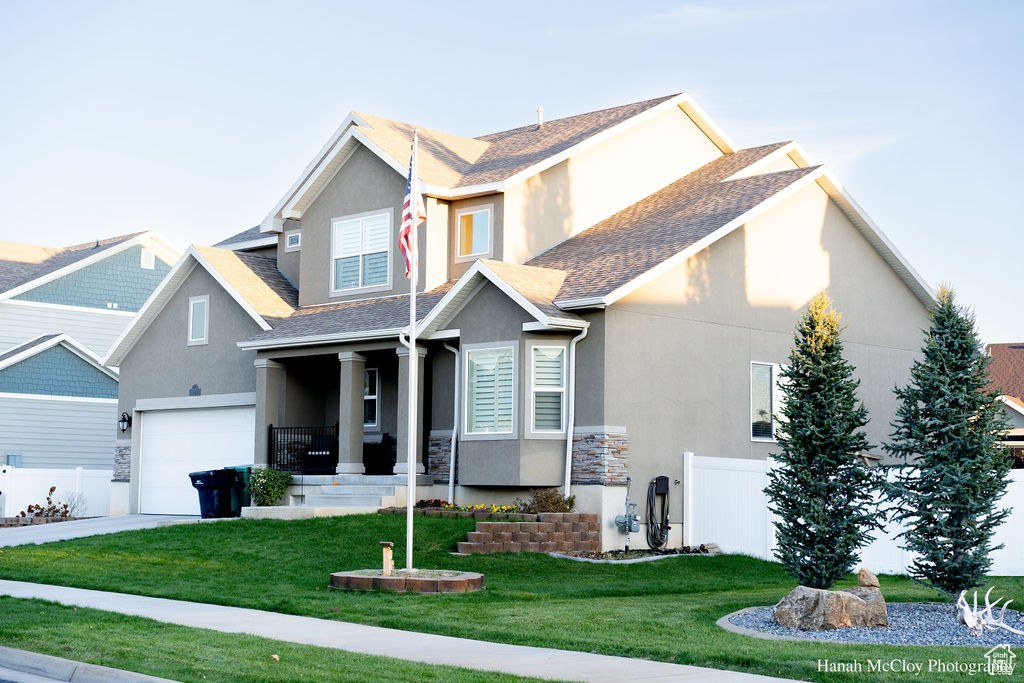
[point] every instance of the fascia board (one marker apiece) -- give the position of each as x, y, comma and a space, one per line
428, 324
272, 222
877, 238
29, 352
320, 340
249, 244
77, 265
696, 247
68, 342
706, 125
752, 169
153, 305
164, 248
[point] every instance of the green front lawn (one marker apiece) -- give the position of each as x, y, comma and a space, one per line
662, 610
193, 654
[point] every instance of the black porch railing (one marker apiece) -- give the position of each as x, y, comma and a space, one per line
303, 450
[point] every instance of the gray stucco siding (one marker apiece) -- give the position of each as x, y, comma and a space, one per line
57, 371
162, 365
363, 184
289, 262
119, 279
52, 433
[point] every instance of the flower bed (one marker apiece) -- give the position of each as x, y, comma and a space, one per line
479, 513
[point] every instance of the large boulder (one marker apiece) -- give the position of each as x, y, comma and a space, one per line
816, 609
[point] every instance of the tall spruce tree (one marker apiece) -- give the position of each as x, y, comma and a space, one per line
821, 490
947, 430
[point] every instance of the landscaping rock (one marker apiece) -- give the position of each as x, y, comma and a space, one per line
815, 609
866, 578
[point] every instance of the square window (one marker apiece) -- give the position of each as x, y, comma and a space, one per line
474, 232
292, 240
360, 251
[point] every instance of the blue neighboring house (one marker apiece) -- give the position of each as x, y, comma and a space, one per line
61, 309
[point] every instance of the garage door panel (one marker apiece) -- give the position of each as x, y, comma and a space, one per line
176, 442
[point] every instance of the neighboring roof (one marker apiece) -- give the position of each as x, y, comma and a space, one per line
48, 341
1006, 371
23, 266
1013, 402
363, 319
248, 239
453, 166
254, 282
601, 259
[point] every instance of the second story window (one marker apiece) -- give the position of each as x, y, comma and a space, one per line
292, 240
359, 251
198, 320
474, 232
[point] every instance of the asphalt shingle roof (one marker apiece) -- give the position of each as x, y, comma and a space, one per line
455, 161
257, 280
21, 263
26, 346
252, 233
1006, 372
601, 259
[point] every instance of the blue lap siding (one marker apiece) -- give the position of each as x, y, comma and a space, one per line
57, 372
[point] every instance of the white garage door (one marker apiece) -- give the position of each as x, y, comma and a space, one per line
176, 442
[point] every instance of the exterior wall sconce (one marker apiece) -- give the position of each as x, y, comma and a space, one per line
125, 422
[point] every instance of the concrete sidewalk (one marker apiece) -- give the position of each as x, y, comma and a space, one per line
62, 531
20, 666
373, 640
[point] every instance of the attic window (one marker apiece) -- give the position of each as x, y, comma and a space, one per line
474, 232
292, 240
148, 259
198, 320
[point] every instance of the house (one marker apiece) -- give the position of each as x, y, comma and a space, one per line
1006, 376
599, 294
60, 311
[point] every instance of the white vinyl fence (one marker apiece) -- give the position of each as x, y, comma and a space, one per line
24, 486
724, 503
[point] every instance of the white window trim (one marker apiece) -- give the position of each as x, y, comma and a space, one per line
298, 245
533, 432
147, 259
192, 300
490, 436
480, 208
375, 425
370, 288
776, 399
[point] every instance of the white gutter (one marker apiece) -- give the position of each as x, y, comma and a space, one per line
570, 423
455, 428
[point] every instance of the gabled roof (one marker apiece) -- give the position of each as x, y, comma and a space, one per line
254, 282
1006, 371
453, 166
25, 266
252, 238
48, 341
641, 242
1016, 404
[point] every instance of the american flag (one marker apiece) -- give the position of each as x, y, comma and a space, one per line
412, 213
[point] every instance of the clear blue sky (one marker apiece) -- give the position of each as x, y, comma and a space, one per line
193, 118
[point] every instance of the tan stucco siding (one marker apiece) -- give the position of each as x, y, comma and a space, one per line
457, 266
596, 183
363, 184
679, 348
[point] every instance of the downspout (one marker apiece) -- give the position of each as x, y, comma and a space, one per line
455, 427
570, 423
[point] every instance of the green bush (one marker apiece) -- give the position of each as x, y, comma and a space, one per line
267, 486
546, 500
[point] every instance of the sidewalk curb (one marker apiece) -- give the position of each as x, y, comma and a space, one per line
69, 670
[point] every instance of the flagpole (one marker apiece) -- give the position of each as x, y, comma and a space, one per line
414, 364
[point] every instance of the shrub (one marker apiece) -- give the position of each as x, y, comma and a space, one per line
432, 503
267, 486
51, 509
546, 500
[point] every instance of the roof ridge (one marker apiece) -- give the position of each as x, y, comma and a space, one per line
533, 126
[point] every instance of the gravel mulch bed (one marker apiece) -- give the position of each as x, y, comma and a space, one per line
910, 623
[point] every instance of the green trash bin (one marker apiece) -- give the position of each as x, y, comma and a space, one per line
240, 492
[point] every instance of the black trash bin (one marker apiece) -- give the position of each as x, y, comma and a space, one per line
215, 489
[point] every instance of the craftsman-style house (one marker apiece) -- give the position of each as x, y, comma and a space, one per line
600, 293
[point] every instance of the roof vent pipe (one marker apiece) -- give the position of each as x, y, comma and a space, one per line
540, 116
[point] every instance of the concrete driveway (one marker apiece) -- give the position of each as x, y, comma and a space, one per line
62, 531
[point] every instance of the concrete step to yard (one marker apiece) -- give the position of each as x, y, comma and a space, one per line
344, 500
348, 489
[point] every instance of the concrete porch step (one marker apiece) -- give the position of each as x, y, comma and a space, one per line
343, 500
363, 489
358, 480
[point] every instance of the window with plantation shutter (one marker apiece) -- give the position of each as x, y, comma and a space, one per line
547, 388
359, 251
490, 390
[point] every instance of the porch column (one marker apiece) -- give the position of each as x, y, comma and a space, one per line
402, 443
350, 413
269, 380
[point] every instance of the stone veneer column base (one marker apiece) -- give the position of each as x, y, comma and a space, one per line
439, 455
600, 455
122, 460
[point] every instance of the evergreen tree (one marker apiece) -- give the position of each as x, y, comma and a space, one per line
947, 431
821, 490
